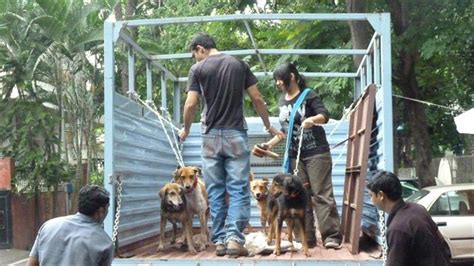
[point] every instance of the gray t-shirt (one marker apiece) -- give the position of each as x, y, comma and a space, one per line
221, 79
73, 240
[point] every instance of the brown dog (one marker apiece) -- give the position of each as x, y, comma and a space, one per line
259, 189
173, 209
292, 204
196, 196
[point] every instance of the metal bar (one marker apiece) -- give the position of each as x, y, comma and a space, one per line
363, 79
177, 103
131, 71
305, 74
387, 118
377, 65
271, 52
140, 50
163, 91
369, 70
109, 84
233, 17
254, 43
149, 81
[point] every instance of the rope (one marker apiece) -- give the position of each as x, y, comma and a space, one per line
173, 144
427, 103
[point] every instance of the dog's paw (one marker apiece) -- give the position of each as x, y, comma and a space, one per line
192, 251
307, 254
276, 252
159, 248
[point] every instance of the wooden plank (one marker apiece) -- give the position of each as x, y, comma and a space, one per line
360, 126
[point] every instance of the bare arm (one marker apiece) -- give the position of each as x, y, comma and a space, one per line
318, 119
32, 261
190, 107
261, 109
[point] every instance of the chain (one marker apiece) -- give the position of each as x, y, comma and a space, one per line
119, 188
384, 239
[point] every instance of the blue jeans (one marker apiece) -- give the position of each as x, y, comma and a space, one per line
226, 167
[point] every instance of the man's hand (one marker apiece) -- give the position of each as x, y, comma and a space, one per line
183, 134
275, 132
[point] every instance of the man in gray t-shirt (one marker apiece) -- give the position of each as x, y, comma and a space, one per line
76, 239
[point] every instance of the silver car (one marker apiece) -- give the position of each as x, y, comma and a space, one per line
452, 208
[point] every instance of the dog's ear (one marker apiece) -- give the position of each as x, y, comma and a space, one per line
197, 170
251, 177
177, 173
265, 179
162, 193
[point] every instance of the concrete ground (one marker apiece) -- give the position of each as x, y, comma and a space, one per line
13, 257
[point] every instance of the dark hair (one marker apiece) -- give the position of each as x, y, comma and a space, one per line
283, 72
91, 198
386, 182
203, 39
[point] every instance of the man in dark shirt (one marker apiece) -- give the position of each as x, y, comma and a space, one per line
221, 81
412, 236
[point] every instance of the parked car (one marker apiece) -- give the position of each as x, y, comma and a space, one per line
452, 208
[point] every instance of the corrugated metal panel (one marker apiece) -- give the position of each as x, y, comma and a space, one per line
144, 160
370, 216
265, 167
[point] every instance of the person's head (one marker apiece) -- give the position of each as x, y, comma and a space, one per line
287, 75
200, 45
385, 190
94, 202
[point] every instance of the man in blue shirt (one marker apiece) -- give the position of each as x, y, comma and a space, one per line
77, 239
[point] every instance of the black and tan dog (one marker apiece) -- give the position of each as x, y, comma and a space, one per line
292, 203
173, 209
196, 196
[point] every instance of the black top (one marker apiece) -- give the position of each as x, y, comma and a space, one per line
314, 139
221, 79
413, 237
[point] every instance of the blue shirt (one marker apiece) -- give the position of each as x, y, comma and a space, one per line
72, 240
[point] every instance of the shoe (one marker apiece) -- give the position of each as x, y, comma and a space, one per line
220, 250
332, 244
235, 249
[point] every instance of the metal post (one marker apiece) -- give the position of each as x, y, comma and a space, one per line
177, 103
369, 69
377, 61
131, 71
109, 84
387, 114
149, 81
163, 91
363, 79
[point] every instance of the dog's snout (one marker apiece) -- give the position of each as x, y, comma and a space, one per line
187, 186
258, 195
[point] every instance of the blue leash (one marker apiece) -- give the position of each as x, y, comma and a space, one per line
286, 161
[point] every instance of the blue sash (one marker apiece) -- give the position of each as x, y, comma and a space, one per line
286, 161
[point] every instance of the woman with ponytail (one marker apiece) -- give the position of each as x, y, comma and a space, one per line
315, 164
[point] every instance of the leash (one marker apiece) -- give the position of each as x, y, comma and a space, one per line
173, 144
286, 161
